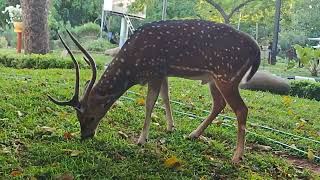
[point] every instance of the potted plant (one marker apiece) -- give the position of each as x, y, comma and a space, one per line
15, 17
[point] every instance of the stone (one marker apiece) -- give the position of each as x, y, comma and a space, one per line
265, 81
112, 52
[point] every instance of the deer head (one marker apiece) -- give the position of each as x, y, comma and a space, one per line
90, 108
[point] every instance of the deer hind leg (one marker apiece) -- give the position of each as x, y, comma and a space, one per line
153, 93
164, 92
233, 98
218, 105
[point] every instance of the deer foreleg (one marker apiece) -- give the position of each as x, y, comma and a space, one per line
165, 97
153, 92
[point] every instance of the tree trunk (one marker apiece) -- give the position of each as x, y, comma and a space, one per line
35, 19
276, 33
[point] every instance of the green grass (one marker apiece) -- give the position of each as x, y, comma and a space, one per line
26, 148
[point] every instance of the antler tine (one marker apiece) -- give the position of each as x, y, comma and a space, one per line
92, 63
74, 102
86, 60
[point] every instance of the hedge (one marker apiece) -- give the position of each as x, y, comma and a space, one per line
305, 89
36, 61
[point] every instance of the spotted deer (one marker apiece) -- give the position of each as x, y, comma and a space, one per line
214, 53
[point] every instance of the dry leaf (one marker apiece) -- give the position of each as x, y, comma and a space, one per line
65, 176
262, 147
254, 125
162, 140
204, 139
47, 129
218, 122
73, 153
15, 173
318, 133
287, 100
310, 155
123, 135
141, 102
67, 135
20, 114
172, 162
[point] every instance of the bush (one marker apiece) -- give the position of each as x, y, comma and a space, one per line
3, 42
89, 29
305, 89
36, 61
99, 45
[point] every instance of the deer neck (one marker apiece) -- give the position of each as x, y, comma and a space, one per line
114, 82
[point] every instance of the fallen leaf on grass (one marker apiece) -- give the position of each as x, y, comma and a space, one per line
46, 129
209, 157
20, 114
287, 100
254, 125
204, 139
318, 133
310, 155
65, 176
262, 147
67, 135
15, 173
141, 102
172, 162
73, 153
123, 135
218, 122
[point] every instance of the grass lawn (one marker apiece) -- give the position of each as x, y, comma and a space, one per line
39, 139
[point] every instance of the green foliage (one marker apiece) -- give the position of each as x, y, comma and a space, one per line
99, 45
76, 11
309, 57
88, 29
36, 61
3, 42
305, 89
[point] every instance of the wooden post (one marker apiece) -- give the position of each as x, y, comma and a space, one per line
19, 42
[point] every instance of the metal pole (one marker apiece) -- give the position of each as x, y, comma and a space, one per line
164, 9
102, 23
239, 20
123, 32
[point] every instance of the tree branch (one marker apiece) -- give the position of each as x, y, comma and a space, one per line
219, 8
239, 7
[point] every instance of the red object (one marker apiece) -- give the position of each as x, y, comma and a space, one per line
19, 42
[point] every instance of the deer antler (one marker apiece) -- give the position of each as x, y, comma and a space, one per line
74, 102
90, 61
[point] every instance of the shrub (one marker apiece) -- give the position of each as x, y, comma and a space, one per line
305, 89
89, 29
3, 42
36, 61
99, 45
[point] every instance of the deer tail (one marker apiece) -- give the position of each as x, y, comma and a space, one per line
255, 66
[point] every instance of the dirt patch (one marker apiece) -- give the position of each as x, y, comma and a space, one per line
302, 163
